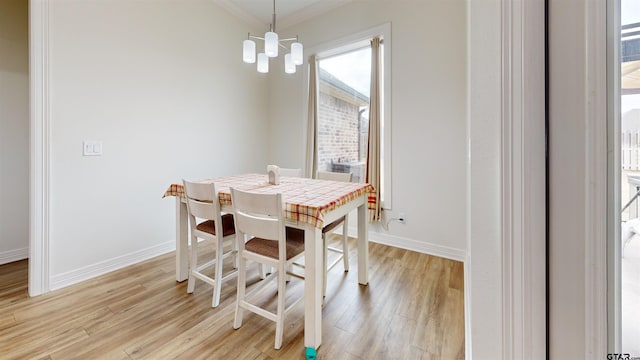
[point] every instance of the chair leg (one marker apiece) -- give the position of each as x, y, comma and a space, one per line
282, 277
216, 288
289, 269
193, 264
235, 254
345, 243
261, 271
242, 283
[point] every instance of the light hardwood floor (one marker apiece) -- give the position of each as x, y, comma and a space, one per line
411, 309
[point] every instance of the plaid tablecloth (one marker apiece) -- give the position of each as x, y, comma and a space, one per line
305, 200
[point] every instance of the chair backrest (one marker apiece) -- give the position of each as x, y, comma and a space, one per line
259, 215
335, 176
291, 172
202, 201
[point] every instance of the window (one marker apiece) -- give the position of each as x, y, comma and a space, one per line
343, 113
344, 75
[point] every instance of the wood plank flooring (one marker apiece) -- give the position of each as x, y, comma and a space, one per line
411, 309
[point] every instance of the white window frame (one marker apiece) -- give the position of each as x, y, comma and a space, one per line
354, 42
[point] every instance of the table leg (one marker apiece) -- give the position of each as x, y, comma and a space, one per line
313, 275
363, 245
182, 246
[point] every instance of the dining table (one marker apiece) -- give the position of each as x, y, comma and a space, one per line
309, 204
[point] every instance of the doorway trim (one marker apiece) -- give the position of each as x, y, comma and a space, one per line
578, 179
505, 265
595, 251
523, 180
39, 129
614, 201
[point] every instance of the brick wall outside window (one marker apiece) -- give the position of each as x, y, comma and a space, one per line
338, 131
342, 131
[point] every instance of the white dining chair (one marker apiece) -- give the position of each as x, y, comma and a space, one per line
290, 172
259, 220
207, 223
343, 254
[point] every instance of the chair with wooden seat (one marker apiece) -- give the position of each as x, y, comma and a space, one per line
206, 222
344, 221
259, 220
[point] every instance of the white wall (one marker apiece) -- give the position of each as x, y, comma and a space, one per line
162, 85
14, 130
428, 120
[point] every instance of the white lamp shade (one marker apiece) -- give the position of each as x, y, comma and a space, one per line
249, 51
296, 53
289, 66
263, 63
271, 44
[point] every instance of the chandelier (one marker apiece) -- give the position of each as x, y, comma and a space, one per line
271, 45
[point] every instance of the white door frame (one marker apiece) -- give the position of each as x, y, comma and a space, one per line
595, 58
523, 180
614, 202
578, 179
505, 265
39, 115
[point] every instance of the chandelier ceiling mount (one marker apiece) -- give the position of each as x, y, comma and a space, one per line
271, 45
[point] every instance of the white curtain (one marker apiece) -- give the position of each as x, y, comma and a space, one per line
373, 152
311, 163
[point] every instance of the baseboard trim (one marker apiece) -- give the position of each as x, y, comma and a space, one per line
413, 245
14, 255
103, 267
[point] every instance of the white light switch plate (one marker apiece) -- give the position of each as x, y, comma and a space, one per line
92, 148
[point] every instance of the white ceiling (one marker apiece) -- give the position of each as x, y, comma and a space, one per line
288, 12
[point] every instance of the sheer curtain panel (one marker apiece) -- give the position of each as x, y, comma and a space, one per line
312, 120
373, 152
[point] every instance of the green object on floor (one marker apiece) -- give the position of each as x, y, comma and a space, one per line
311, 353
